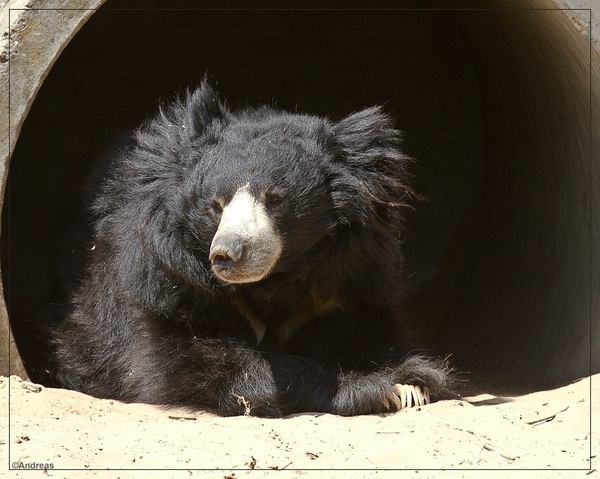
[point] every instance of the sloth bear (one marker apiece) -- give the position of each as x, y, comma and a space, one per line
248, 262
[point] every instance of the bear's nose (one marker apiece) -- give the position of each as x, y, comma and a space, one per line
225, 251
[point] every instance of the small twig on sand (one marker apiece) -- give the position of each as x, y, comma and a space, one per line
544, 420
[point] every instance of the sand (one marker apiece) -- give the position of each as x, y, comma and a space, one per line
67, 434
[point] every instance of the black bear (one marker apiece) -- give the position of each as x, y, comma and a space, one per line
248, 262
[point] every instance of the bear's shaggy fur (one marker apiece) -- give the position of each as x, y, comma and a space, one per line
248, 262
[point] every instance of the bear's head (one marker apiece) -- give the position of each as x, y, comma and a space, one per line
265, 187
238, 197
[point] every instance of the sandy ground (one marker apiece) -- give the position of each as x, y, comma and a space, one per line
545, 434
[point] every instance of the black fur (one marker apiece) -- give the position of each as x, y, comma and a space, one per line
150, 321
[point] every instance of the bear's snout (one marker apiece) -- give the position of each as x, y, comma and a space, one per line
226, 251
246, 245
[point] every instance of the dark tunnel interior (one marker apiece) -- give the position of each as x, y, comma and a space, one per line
494, 105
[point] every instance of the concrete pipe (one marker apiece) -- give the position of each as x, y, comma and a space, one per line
497, 105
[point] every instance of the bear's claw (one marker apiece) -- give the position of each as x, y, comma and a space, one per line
411, 396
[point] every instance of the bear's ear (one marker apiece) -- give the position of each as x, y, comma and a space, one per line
188, 117
202, 107
373, 179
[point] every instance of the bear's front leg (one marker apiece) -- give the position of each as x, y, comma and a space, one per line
412, 383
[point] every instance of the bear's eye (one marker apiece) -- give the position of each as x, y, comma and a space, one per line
216, 207
273, 200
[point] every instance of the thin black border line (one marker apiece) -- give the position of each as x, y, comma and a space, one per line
6, 287
591, 225
7, 190
515, 9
